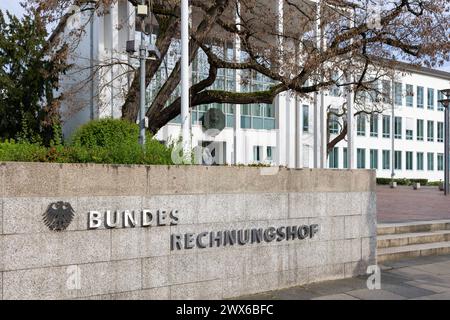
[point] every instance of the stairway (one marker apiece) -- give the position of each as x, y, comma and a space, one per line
413, 239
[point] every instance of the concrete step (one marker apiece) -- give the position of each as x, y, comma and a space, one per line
405, 239
412, 251
412, 227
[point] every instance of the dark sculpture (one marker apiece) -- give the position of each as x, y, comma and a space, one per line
58, 216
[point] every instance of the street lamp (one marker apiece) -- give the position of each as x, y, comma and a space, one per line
446, 102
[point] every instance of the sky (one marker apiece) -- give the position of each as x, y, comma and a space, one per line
14, 7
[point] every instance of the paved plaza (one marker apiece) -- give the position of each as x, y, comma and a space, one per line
425, 278
405, 204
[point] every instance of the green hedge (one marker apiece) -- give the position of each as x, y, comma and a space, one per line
102, 141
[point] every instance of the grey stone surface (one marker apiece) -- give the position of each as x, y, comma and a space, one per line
366, 294
140, 243
55, 249
341, 296
137, 263
206, 290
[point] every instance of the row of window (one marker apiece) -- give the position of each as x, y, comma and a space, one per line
361, 128
408, 91
411, 163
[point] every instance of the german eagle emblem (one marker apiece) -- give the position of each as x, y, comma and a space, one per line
58, 216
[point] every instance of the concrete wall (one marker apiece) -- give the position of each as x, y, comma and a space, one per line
36, 263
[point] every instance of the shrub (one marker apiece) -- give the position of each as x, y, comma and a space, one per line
423, 182
103, 142
383, 181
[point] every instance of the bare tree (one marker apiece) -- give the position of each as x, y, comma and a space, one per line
354, 46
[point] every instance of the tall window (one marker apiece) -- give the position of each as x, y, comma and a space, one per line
398, 160
420, 161
440, 158
334, 124
409, 95
361, 158
270, 152
374, 159
257, 154
398, 94
345, 155
440, 104
361, 125
430, 131
420, 97
387, 91
409, 160
430, 98
430, 161
386, 126
420, 130
398, 128
305, 118
386, 160
440, 132
374, 125
334, 159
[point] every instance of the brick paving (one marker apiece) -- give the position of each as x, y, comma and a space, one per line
425, 278
405, 204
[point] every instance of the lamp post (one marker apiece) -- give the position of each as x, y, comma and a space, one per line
185, 96
446, 102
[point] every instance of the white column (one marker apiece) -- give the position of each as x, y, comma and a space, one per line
351, 160
185, 125
280, 101
317, 99
299, 133
238, 137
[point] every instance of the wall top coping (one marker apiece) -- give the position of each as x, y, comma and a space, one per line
19, 179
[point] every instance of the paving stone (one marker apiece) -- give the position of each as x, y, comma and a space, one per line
366, 294
442, 268
406, 290
430, 285
341, 296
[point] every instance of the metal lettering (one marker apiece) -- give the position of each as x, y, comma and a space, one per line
200, 242
174, 218
230, 238
217, 239
243, 237
94, 220
129, 220
303, 232
108, 222
189, 241
314, 230
257, 235
291, 233
270, 234
175, 243
162, 218
147, 218
281, 234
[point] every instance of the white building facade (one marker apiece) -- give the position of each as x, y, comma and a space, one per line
407, 139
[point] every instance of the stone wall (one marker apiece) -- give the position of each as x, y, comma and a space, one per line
139, 263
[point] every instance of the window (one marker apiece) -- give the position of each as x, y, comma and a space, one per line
420, 130
361, 158
440, 157
409, 160
258, 116
440, 104
430, 162
430, 131
386, 160
386, 126
398, 160
361, 125
387, 91
398, 94
305, 118
420, 97
334, 124
374, 125
345, 154
440, 132
270, 151
409, 134
334, 159
335, 90
374, 159
409, 95
257, 154
430, 99
398, 128
420, 161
